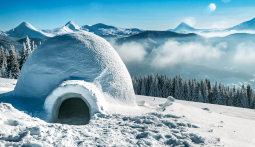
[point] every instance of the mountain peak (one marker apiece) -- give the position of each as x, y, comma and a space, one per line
71, 25
183, 24
25, 29
26, 25
184, 27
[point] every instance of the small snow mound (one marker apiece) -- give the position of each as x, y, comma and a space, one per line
171, 99
206, 109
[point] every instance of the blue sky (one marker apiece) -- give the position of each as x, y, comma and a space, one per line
143, 14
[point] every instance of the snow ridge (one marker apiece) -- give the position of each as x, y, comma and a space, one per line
26, 29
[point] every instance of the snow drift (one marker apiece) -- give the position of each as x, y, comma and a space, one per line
78, 65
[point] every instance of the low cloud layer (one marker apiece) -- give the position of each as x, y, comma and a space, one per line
131, 52
173, 52
222, 56
245, 53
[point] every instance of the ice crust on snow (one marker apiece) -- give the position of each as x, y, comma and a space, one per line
86, 61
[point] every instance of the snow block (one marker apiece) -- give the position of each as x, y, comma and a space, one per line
75, 65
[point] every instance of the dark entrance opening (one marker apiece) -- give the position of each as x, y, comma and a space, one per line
73, 111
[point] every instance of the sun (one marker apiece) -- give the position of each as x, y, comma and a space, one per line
212, 7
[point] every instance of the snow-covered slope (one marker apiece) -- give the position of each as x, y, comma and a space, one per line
26, 29
69, 27
106, 30
98, 29
156, 122
72, 26
2, 33
247, 25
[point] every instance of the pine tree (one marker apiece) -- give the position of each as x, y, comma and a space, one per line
166, 88
231, 96
181, 89
28, 47
188, 94
135, 85
156, 87
143, 86
176, 89
206, 94
218, 98
10, 75
186, 90
244, 99
252, 104
149, 84
195, 91
4, 72
238, 98
14, 65
2, 55
23, 55
249, 95
152, 88
33, 46
200, 97
215, 93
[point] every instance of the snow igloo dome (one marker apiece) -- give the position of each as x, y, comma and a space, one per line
74, 76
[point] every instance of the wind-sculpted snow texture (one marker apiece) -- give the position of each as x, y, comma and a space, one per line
78, 56
150, 129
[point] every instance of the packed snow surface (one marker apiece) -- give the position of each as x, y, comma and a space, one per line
155, 122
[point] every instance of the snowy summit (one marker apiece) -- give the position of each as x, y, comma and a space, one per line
183, 28
26, 29
71, 25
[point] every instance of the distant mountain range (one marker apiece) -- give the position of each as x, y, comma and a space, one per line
154, 37
26, 29
245, 26
248, 25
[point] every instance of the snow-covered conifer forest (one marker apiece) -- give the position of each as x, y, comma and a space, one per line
11, 60
194, 90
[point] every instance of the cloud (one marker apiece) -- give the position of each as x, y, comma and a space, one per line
173, 52
190, 21
131, 52
245, 53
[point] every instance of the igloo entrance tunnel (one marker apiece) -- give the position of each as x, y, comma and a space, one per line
71, 77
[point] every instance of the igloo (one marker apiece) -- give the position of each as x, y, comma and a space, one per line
73, 76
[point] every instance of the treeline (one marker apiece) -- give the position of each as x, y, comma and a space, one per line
194, 90
11, 61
